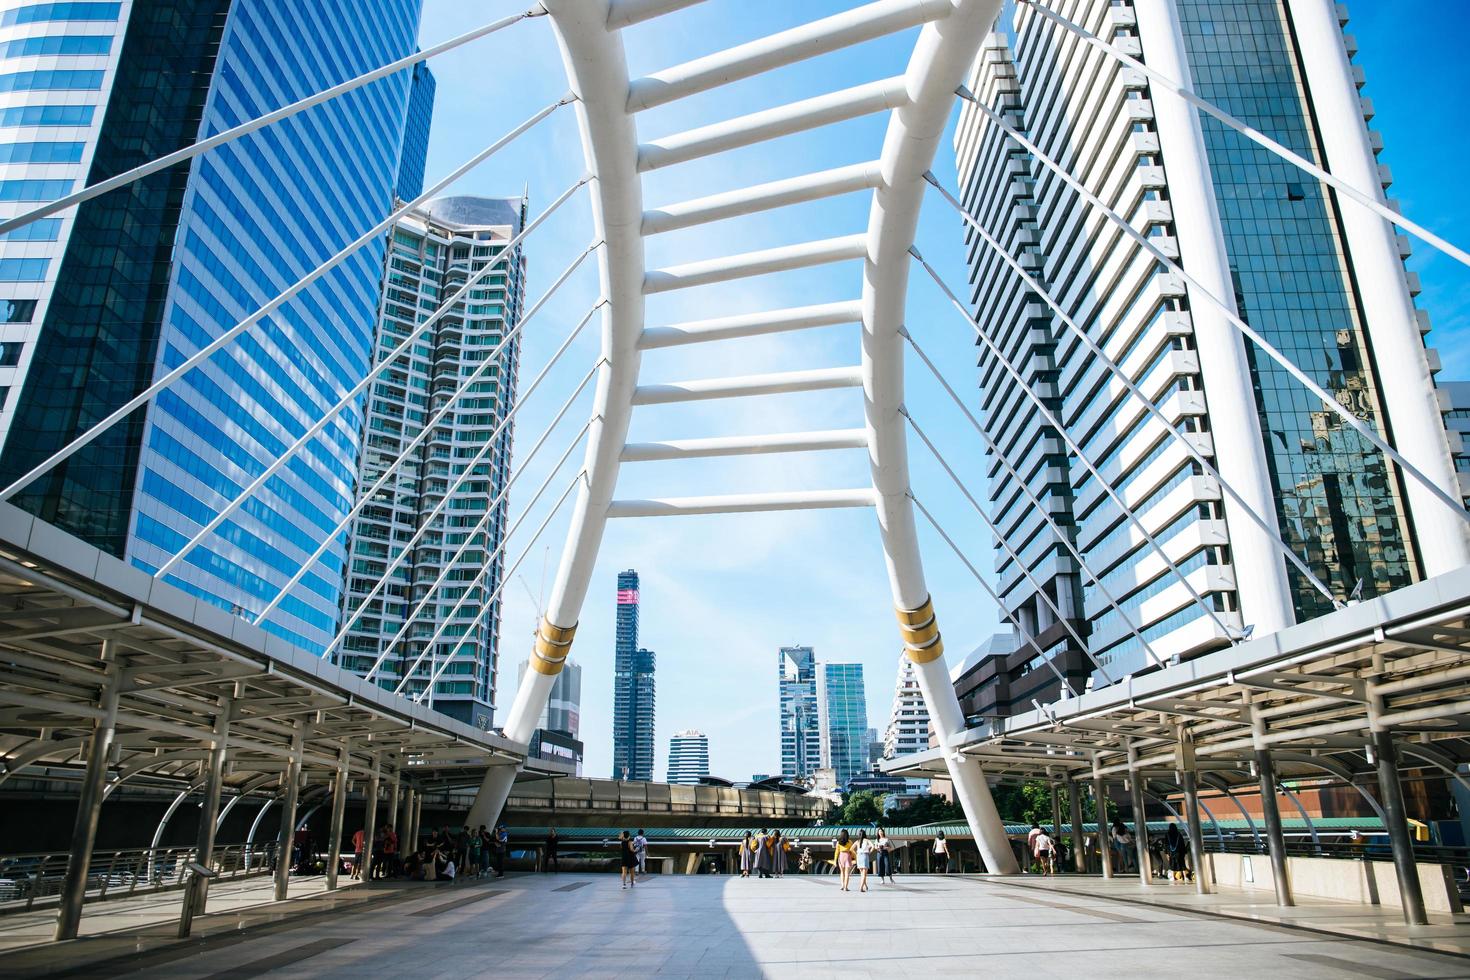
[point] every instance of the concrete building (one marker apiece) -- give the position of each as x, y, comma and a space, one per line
842, 719
1258, 234
633, 689
100, 300
801, 738
436, 527
688, 757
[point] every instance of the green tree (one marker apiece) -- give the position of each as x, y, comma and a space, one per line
864, 806
925, 809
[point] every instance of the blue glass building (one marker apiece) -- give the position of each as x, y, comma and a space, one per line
416, 133
801, 748
153, 272
633, 689
842, 706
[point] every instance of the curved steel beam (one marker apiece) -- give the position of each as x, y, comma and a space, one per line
15, 763
597, 70
1224, 787
1341, 771
941, 57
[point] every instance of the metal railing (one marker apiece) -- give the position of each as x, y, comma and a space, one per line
36, 879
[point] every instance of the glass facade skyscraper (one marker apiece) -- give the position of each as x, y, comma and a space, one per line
842, 707
801, 738
415, 150
633, 689
438, 524
1293, 276
151, 273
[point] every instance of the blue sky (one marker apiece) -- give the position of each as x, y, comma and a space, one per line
721, 594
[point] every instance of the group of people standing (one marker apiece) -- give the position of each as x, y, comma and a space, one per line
633, 853
1169, 852
865, 855
766, 853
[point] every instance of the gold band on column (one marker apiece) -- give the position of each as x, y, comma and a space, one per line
920, 629
553, 645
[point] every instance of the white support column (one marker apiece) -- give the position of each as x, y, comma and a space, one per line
1407, 388
1261, 582
597, 71
942, 55
339, 812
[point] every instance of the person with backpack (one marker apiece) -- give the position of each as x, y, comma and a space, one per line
640, 851
1044, 849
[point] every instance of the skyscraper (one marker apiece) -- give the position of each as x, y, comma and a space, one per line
102, 300
688, 757
801, 739
1292, 261
438, 524
415, 149
842, 716
908, 719
633, 689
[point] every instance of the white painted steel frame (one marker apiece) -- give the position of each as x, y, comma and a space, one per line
942, 55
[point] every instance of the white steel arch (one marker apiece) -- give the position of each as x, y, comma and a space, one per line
606, 101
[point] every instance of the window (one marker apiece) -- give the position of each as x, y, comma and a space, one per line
47, 115
38, 12
50, 79
1294, 192
41, 152
33, 190
23, 270
17, 310
10, 353
57, 44
41, 230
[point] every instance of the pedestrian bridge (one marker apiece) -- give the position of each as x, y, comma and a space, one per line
116, 674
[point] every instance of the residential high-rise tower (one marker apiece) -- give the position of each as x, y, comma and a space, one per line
908, 720
457, 557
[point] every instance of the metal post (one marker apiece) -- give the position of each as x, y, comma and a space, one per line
1100, 803
89, 802
391, 817
1189, 784
1270, 807
291, 789
418, 814
208, 816
339, 810
370, 820
1392, 794
1140, 824
405, 823
1079, 842
1056, 812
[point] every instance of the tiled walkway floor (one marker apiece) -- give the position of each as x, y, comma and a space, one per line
584, 925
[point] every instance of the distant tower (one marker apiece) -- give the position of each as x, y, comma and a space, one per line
801, 745
688, 757
633, 689
842, 714
908, 721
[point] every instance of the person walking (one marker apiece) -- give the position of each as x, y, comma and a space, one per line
778, 853
747, 855
357, 854
553, 843
502, 848
845, 856
1045, 853
886, 857
763, 854
1177, 845
640, 848
866, 851
941, 852
628, 860
1123, 847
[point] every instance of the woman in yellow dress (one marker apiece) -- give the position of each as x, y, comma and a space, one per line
846, 856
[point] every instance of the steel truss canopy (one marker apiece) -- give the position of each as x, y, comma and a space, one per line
178, 662
1312, 693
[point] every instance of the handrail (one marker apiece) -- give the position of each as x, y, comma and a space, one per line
37, 877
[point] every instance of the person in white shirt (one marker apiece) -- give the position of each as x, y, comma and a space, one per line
941, 852
867, 851
640, 851
885, 856
1045, 852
